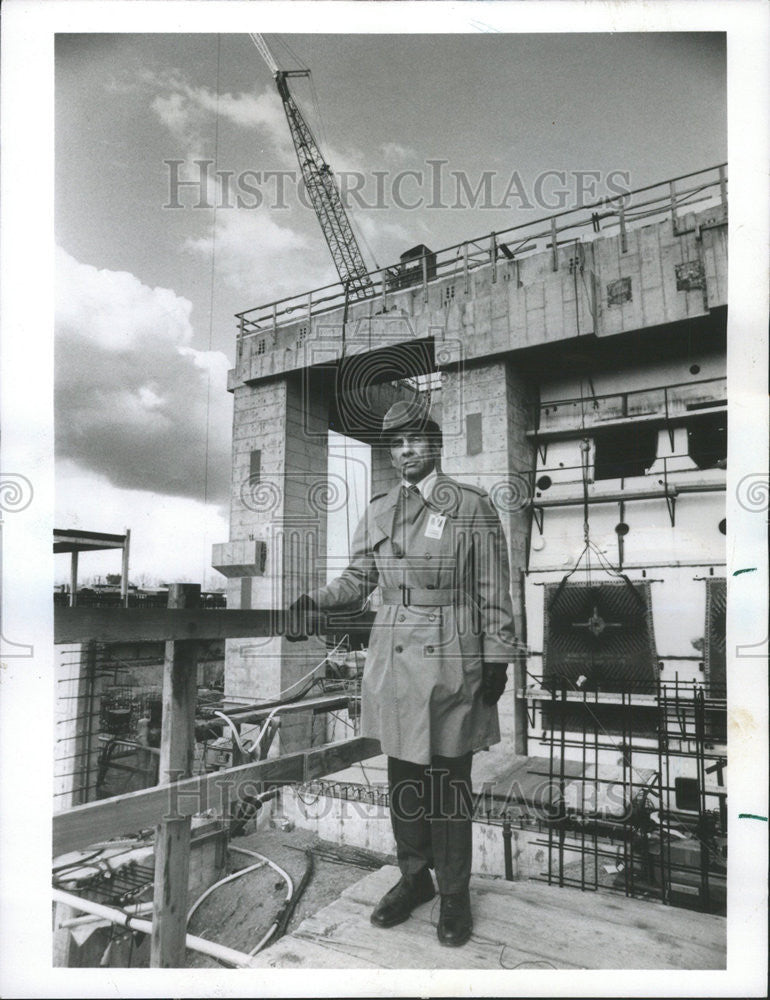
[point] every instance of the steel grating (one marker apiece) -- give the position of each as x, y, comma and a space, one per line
601, 632
714, 652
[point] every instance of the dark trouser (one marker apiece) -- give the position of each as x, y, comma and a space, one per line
431, 808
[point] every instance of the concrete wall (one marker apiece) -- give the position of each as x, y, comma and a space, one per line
663, 272
675, 556
361, 824
287, 420
664, 275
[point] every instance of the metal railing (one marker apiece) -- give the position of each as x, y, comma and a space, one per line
667, 199
663, 401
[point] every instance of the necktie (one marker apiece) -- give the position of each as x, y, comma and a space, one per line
413, 503
407, 511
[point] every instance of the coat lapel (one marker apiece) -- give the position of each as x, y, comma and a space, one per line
386, 512
446, 496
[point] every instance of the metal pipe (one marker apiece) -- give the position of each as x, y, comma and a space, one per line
237, 959
92, 918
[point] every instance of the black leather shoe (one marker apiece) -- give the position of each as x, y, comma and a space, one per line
398, 902
455, 923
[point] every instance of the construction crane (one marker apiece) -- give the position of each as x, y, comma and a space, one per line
319, 181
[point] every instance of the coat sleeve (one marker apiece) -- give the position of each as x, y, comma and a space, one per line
352, 587
493, 585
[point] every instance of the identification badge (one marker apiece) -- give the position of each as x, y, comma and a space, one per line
435, 527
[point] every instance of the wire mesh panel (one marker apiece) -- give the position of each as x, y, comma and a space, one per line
714, 651
639, 809
109, 713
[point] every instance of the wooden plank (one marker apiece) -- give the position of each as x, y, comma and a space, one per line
177, 746
153, 624
112, 817
336, 756
301, 953
73, 625
344, 927
690, 925
528, 922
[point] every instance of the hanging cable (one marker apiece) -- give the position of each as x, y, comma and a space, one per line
362, 236
316, 667
212, 286
235, 735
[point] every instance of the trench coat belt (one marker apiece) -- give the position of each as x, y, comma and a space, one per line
426, 598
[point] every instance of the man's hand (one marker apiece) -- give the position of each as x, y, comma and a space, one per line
298, 619
493, 680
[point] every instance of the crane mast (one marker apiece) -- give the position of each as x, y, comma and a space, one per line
320, 185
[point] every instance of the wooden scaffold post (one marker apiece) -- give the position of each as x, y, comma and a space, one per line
172, 842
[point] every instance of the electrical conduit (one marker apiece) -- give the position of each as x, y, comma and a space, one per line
237, 959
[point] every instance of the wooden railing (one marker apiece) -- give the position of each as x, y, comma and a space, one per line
171, 805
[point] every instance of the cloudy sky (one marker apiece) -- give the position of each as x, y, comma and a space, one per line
150, 273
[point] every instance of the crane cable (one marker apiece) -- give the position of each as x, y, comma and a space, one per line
207, 443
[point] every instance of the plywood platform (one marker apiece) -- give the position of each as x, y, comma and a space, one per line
523, 924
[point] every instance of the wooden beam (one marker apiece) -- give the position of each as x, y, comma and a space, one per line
83, 825
124, 568
154, 624
74, 579
160, 624
177, 746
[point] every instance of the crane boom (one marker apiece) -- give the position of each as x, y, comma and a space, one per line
320, 185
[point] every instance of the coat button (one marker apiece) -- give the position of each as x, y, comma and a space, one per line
428, 649
431, 618
427, 555
399, 649
402, 618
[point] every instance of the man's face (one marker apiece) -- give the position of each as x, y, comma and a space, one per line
414, 454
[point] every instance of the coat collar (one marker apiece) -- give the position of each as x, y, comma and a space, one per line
445, 498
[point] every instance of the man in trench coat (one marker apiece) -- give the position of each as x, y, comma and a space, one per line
437, 659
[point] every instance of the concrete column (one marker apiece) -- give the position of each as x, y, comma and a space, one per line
491, 450
284, 505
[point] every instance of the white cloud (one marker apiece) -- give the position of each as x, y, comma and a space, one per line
135, 402
187, 111
91, 304
262, 259
263, 110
